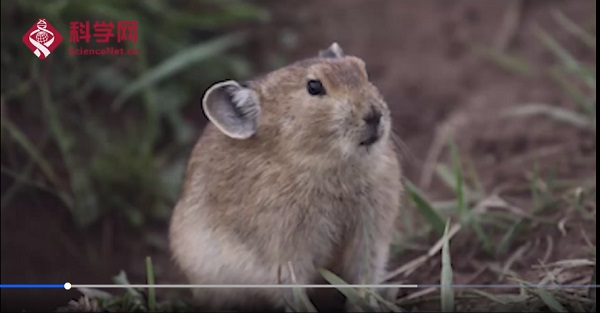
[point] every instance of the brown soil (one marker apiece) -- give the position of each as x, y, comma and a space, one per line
420, 56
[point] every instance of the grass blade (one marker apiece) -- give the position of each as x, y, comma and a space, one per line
86, 204
556, 113
23, 179
551, 301
459, 179
447, 293
475, 178
447, 176
390, 305
509, 63
585, 104
151, 291
489, 296
177, 63
95, 293
486, 242
305, 304
301, 302
465, 214
425, 208
587, 38
511, 234
8, 195
30, 149
351, 293
121, 279
535, 190
566, 58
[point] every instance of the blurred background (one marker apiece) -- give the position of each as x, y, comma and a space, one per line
495, 103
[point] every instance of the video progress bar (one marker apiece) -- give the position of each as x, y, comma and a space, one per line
68, 286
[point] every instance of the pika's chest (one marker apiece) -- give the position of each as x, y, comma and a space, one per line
312, 221
329, 197
276, 207
311, 211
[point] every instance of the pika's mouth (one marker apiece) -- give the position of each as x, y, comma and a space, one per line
371, 135
372, 138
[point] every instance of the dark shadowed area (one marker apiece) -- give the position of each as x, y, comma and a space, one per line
494, 102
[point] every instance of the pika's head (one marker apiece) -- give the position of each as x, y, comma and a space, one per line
319, 108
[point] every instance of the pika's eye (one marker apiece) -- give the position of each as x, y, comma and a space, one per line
315, 88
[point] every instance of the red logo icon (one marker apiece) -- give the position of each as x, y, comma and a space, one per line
42, 39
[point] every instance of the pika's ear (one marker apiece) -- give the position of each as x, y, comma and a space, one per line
234, 109
333, 51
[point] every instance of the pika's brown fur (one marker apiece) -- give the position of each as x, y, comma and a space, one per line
281, 184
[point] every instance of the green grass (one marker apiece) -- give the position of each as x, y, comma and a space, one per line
447, 293
578, 80
498, 232
151, 291
116, 127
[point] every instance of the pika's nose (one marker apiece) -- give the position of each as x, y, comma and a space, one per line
373, 118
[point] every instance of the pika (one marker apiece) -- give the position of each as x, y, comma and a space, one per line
296, 171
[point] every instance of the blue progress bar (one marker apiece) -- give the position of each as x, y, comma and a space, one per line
32, 286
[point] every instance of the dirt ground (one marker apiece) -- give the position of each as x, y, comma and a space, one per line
419, 54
